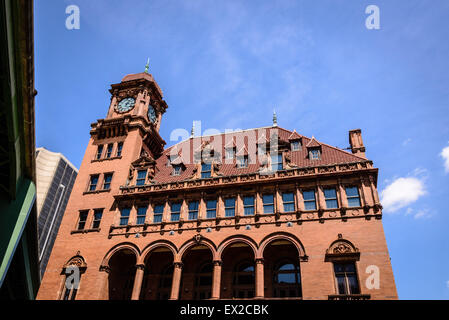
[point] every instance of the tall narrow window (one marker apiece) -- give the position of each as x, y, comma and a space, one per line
93, 182
276, 161
211, 209
309, 199
248, 205
158, 212
288, 200
352, 194
119, 149
109, 150
124, 216
107, 181
193, 210
346, 278
330, 195
268, 203
175, 210
141, 215
229, 207
206, 170
82, 219
141, 177
99, 152
98, 213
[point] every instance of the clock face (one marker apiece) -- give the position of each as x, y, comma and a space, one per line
151, 114
126, 105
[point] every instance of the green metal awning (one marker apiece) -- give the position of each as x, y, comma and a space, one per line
13, 219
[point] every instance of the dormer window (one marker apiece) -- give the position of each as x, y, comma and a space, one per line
177, 169
295, 145
242, 162
276, 161
230, 152
141, 177
314, 154
261, 148
206, 170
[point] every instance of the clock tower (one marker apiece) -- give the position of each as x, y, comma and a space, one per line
136, 102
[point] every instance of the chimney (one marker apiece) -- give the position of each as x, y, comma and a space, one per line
356, 142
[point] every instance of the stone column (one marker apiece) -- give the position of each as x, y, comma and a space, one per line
216, 280
176, 281
320, 197
341, 193
299, 199
103, 282
277, 201
260, 279
202, 207
140, 270
220, 206
166, 213
374, 190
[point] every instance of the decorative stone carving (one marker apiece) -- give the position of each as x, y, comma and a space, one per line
342, 249
197, 238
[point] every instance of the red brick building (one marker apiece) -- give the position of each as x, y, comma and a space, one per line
260, 213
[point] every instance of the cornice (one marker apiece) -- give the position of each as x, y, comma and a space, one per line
318, 172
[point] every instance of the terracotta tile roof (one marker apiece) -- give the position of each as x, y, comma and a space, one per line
246, 140
294, 136
313, 143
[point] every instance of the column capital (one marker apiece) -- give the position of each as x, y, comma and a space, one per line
259, 261
104, 268
218, 263
140, 266
178, 265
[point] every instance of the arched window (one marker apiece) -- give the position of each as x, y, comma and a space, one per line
72, 270
287, 280
243, 280
203, 282
165, 283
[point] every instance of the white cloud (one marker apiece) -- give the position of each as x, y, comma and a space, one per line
445, 154
406, 142
422, 214
402, 192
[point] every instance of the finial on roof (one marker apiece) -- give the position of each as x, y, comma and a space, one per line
275, 119
147, 66
192, 132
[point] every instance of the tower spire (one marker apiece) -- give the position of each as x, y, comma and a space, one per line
275, 119
147, 66
192, 132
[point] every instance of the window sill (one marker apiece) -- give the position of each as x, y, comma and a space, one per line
85, 230
96, 191
106, 159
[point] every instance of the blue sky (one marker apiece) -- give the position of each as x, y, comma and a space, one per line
230, 63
